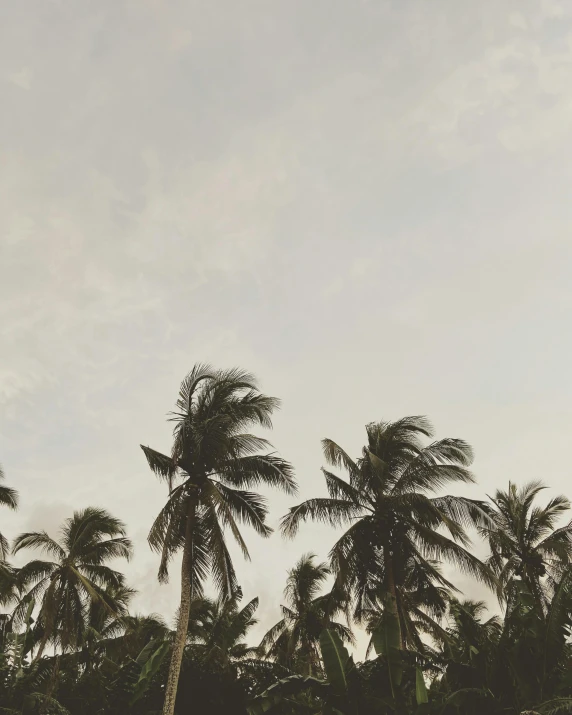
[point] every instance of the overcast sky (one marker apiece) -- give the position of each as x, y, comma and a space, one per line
367, 203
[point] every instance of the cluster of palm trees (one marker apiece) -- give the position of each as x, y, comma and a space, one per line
69, 644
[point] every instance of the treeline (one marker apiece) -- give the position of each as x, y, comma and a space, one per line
69, 642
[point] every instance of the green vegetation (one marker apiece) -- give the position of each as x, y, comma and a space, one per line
69, 642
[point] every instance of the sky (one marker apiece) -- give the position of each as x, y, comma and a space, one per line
364, 202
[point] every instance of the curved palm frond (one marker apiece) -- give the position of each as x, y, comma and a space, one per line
250, 508
256, 470
38, 540
334, 512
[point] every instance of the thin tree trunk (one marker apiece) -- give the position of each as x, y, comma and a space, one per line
309, 656
390, 578
184, 611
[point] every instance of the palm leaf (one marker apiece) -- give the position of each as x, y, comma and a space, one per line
163, 466
334, 512
38, 540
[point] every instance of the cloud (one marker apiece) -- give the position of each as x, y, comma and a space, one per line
366, 205
22, 78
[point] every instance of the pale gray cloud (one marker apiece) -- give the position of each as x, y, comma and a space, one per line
366, 203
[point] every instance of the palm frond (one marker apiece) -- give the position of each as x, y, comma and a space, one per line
34, 571
241, 445
464, 511
543, 519
223, 512
97, 552
4, 548
167, 534
435, 545
163, 466
253, 470
305, 580
337, 457
249, 507
87, 527
190, 385
38, 540
104, 577
241, 622
334, 512
219, 559
339, 489
558, 706
8, 497
435, 466
272, 635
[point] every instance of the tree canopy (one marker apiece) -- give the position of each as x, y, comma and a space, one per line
402, 532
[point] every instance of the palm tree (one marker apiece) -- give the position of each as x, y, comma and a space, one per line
424, 596
103, 623
394, 519
67, 586
525, 542
469, 655
212, 458
338, 691
294, 640
468, 635
138, 631
105, 627
9, 498
217, 629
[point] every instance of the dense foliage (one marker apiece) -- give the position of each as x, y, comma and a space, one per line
70, 643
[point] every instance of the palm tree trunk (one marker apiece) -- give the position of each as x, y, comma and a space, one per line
535, 589
308, 653
392, 591
184, 610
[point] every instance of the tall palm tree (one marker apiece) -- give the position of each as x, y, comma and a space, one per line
294, 641
394, 518
67, 586
9, 498
212, 459
525, 541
